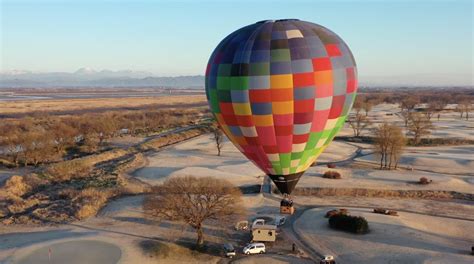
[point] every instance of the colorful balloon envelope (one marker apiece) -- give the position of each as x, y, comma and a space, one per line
281, 90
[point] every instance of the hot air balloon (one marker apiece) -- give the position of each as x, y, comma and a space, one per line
281, 90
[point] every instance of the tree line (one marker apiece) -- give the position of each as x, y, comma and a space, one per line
48, 138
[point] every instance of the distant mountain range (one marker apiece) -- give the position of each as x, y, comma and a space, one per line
86, 77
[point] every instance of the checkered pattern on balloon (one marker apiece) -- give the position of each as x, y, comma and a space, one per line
281, 90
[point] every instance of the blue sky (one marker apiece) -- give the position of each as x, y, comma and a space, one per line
388, 38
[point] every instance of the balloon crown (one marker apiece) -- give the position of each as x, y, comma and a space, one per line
278, 20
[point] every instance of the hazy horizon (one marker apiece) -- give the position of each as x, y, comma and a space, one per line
108, 78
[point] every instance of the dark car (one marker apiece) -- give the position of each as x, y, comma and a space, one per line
229, 250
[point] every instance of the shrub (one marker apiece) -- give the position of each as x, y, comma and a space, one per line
385, 211
156, 248
90, 201
174, 253
392, 213
331, 165
424, 180
331, 213
335, 212
380, 210
343, 211
16, 186
19, 206
332, 175
67, 170
34, 181
353, 224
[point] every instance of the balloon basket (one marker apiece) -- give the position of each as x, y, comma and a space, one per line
287, 210
286, 206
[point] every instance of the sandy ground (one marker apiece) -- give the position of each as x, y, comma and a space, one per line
198, 157
387, 179
74, 252
125, 141
409, 238
443, 159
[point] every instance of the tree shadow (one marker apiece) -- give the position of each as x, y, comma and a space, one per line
161, 249
136, 220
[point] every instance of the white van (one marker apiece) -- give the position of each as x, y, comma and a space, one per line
254, 248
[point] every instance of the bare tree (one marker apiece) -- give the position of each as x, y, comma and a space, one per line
87, 129
465, 107
382, 134
62, 135
367, 106
397, 142
419, 126
36, 146
430, 109
193, 201
358, 103
358, 122
26, 144
439, 105
405, 116
105, 127
40, 147
10, 142
459, 110
218, 138
409, 103
389, 143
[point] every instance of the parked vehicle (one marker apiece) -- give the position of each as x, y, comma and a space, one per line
280, 220
229, 250
254, 248
327, 259
257, 222
242, 225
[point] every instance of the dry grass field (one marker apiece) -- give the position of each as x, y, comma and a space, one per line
12, 108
